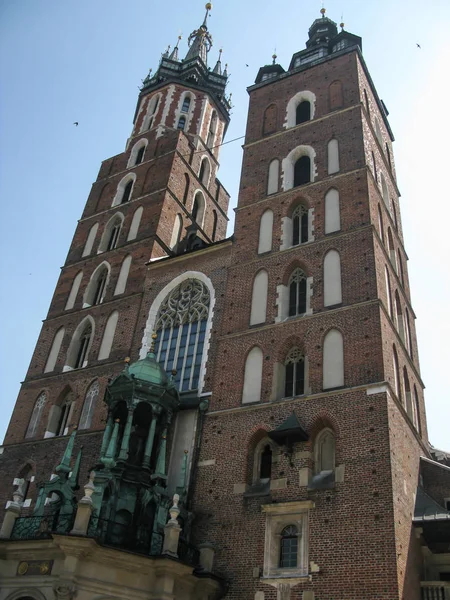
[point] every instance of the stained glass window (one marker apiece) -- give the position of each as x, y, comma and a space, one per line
181, 328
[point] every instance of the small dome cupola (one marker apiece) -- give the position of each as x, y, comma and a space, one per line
321, 31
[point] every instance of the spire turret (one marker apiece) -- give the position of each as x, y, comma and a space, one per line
174, 55
200, 41
218, 67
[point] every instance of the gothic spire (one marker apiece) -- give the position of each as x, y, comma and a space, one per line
174, 54
218, 67
200, 40
64, 465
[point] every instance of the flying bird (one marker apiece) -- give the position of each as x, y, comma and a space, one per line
419, 46
246, 65
76, 123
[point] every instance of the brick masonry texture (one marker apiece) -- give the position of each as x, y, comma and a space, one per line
360, 532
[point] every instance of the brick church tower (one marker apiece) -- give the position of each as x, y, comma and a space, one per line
266, 438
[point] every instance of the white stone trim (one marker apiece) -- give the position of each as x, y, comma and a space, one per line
121, 187
149, 328
167, 104
287, 166
188, 114
291, 108
92, 281
143, 142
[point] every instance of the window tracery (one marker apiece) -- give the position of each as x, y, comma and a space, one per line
36, 415
89, 406
294, 373
181, 323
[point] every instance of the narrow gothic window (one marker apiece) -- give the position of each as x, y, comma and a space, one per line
265, 469
396, 374
127, 192
324, 451
83, 347
302, 171
214, 229
289, 547
181, 328
100, 287
36, 416
198, 209
181, 123
375, 173
114, 236
297, 293
303, 112
89, 406
270, 119
204, 172
64, 416
300, 225
186, 104
388, 154
212, 130
140, 155
294, 374
186, 187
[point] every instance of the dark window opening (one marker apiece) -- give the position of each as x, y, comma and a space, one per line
182, 123
374, 167
289, 547
186, 188
186, 104
140, 155
302, 171
112, 242
300, 226
100, 288
265, 469
303, 112
388, 156
214, 230
83, 348
127, 192
201, 175
297, 296
295, 379
195, 210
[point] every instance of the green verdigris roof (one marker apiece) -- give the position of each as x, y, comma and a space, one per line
149, 371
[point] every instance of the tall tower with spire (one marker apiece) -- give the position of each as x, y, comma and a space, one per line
207, 417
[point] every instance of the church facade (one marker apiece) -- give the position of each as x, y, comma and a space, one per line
210, 417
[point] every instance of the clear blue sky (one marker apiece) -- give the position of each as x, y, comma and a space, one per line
82, 60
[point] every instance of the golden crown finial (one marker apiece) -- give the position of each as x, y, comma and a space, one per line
154, 338
323, 10
208, 6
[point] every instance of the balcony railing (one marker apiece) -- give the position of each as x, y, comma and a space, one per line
435, 590
126, 537
41, 527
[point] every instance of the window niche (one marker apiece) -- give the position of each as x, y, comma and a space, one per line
298, 227
298, 168
265, 457
286, 539
294, 299
110, 237
59, 419
80, 346
324, 460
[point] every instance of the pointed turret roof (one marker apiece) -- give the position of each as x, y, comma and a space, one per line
174, 54
218, 67
200, 40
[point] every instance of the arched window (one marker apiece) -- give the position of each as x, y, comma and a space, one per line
388, 292
391, 249
272, 181
409, 405
78, 352
388, 154
270, 119
186, 187
36, 415
265, 466
137, 153
176, 231
303, 112
214, 228
333, 156
60, 414
302, 171
198, 209
54, 352
324, 452
108, 336
400, 267
384, 190
126, 192
186, 104
212, 130
408, 334
378, 132
289, 547
375, 172
396, 374
366, 100
123, 276
333, 360
297, 293
111, 233
332, 281
336, 95
332, 211
294, 382
140, 155
399, 313
151, 112
394, 214
259, 298
135, 222
25, 476
265, 232
74, 291
181, 327
90, 401
90, 240
95, 291
251, 391
300, 225
181, 123
205, 170
380, 224
417, 410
